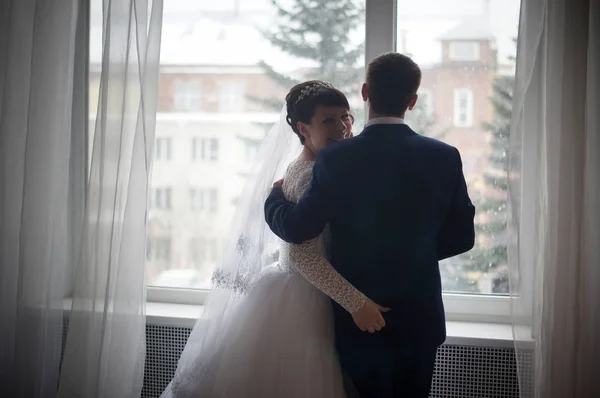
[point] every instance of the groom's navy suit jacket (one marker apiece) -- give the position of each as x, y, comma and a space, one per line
397, 203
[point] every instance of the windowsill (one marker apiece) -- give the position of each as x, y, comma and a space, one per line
466, 333
481, 334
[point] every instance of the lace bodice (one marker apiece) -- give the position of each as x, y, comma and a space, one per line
308, 258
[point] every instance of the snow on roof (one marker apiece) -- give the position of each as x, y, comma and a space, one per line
472, 28
208, 41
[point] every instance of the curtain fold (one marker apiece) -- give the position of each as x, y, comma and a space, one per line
554, 176
107, 321
37, 128
67, 231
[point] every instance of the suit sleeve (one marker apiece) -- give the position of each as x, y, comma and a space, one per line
457, 234
305, 220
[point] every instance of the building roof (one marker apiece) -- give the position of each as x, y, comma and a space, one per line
472, 28
211, 42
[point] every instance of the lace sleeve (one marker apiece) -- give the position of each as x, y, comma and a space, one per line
312, 265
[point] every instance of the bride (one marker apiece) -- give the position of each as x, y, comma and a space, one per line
267, 330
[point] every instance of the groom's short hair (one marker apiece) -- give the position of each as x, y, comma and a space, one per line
392, 80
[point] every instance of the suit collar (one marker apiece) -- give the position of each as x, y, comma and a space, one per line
402, 129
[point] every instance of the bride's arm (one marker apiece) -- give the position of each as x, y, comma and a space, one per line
299, 222
312, 265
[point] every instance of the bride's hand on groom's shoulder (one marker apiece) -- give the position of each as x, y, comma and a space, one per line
278, 184
368, 318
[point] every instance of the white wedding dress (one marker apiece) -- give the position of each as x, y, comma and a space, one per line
278, 342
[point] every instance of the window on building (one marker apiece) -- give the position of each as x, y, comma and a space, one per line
232, 96
162, 147
464, 51
160, 198
205, 149
187, 95
463, 108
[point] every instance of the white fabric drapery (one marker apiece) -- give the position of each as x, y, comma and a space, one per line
65, 233
554, 181
107, 321
41, 153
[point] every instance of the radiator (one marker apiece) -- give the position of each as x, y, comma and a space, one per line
461, 371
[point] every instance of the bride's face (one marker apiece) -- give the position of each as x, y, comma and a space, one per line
329, 124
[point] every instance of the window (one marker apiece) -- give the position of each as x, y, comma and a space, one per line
463, 108
474, 283
219, 85
187, 95
464, 51
206, 149
212, 74
163, 148
204, 200
231, 96
160, 198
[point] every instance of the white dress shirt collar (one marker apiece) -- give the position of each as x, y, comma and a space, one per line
385, 120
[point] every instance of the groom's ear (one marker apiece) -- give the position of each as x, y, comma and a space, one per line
413, 102
365, 92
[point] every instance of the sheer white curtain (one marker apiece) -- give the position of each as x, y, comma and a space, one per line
105, 347
555, 199
65, 232
41, 159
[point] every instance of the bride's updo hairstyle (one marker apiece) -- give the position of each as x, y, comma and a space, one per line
304, 98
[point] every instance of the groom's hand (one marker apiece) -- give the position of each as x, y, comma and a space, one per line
278, 184
368, 318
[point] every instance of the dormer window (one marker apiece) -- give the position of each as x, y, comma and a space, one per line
464, 51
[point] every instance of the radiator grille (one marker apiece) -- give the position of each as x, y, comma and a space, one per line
164, 345
460, 371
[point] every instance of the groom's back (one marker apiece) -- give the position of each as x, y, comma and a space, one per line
394, 189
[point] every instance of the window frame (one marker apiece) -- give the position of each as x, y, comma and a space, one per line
380, 36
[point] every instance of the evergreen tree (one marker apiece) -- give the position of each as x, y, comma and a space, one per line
319, 31
490, 252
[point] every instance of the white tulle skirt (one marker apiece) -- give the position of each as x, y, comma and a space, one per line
278, 342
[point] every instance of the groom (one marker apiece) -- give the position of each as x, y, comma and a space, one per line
397, 203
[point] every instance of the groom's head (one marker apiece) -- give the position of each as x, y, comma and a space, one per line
392, 83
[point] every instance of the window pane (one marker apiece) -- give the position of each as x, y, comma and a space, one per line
225, 69
223, 77
187, 95
466, 51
